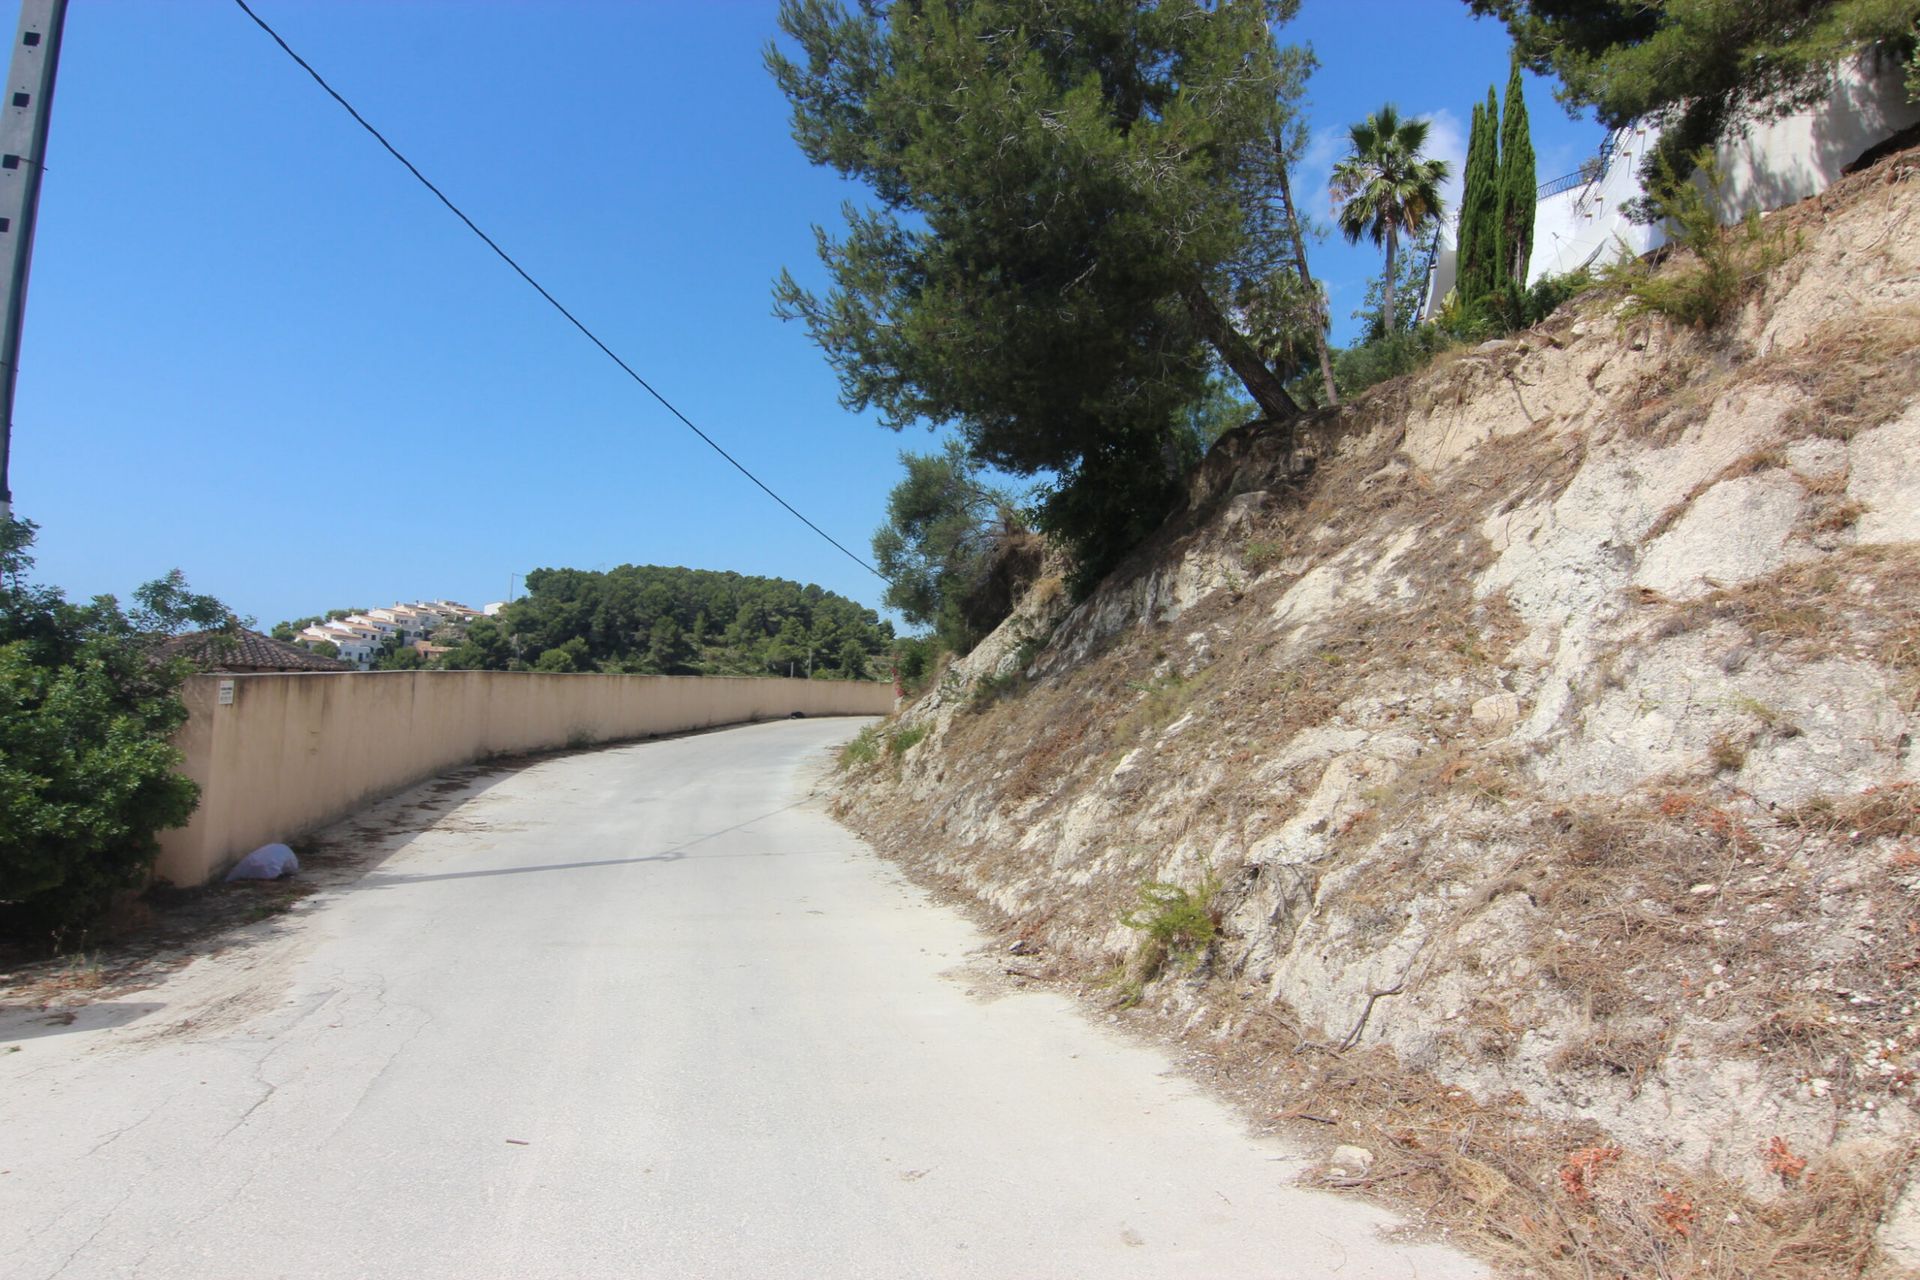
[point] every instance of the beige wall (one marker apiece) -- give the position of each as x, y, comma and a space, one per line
293, 752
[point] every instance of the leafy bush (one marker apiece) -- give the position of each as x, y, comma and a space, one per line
87, 774
1176, 918
864, 749
915, 661
1259, 555
1727, 262
1549, 293
904, 740
1358, 368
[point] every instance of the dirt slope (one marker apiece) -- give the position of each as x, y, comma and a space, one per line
1540, 762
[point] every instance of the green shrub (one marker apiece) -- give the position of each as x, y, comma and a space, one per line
864, 749
1727, 262
1178, 923
915, 661
87, 772
1259, 556
1358, 368
1550, 293
906, 739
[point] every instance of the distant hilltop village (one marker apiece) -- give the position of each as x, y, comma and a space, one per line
359, 638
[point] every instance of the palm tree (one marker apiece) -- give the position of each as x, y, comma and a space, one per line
1385, 187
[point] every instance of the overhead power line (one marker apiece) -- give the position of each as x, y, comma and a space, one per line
542, 291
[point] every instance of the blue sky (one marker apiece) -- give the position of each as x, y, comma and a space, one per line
257, 351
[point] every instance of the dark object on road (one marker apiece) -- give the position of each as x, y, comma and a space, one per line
797, 715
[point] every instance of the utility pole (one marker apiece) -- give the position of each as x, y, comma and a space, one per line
24, 116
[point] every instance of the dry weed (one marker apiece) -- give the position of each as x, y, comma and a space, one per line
1864, 599
1856, 373
1536, 1197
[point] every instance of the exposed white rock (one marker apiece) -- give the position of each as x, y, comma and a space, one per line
1885, 481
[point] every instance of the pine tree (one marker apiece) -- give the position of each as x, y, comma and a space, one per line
1518, 183
1066, 200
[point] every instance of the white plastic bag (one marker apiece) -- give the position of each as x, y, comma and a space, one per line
268, 862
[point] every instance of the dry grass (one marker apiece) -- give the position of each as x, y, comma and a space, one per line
1857, 373
1864, 601
1535, 1197
1878, 813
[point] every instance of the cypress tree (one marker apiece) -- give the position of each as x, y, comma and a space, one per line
1466, 236
1480, 269
1518, 183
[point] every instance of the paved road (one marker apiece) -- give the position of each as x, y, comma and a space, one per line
646, 1012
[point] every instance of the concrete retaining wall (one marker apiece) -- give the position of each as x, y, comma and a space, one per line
285, 754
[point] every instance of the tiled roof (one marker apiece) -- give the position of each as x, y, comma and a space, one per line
244, 650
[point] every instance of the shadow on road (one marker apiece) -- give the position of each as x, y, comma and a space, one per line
30, 1022
385, 880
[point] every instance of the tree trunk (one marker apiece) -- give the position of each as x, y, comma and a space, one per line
1261, 383
1306, 279
1386, 306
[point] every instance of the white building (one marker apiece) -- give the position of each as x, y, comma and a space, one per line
355, 645
1765, 164
385, 626
452, 611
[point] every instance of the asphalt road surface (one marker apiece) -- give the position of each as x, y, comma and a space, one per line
642, 1012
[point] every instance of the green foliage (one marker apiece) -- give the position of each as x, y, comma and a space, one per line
392, 657
1549, 293
937, 550
484, 647
1410, 281
1497, 203
1108, 503
563, 658
1370, 364
87, 774
1387, 189
1260, 556
853, 660
1478, 238
903, 740
1223, 408
1178, 924
915, 659
1384, 357
1700, 66
1070, 197
657, 620
1519, 183
864, 749
325, 648
1726, 262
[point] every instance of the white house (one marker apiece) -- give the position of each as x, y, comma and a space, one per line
384, 626
1765, 164
451, 611
413, 619
356, 645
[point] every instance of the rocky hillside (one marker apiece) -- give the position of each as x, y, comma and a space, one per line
1515, 779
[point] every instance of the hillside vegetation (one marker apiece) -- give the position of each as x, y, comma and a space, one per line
1514, 776
653, 619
